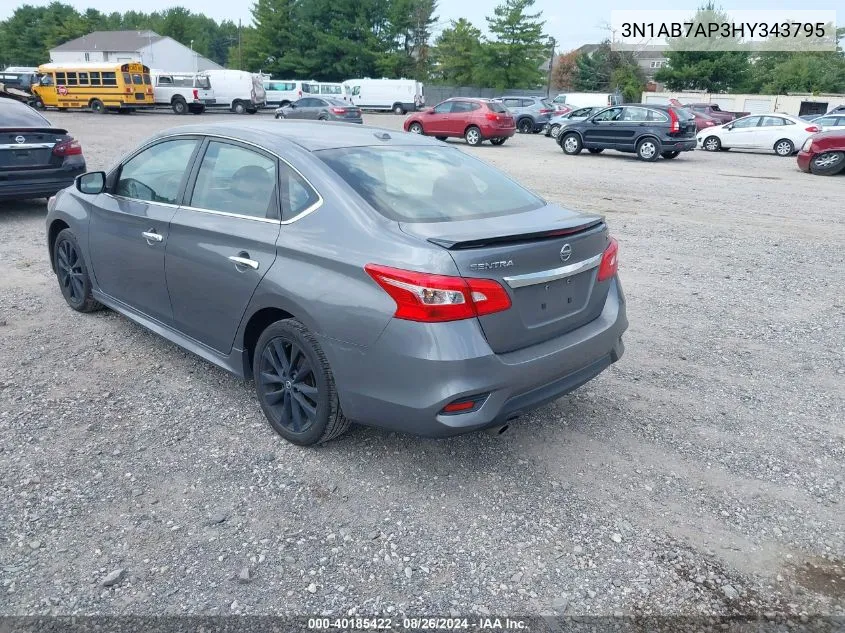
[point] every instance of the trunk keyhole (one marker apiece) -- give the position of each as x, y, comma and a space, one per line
542, 306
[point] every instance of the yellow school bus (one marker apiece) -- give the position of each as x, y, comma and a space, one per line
98, 87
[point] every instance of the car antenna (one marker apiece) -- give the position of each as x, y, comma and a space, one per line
382, 136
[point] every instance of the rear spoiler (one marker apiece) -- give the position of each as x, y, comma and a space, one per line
33, 130
454, 245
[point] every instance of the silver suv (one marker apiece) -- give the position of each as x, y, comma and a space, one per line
530, 113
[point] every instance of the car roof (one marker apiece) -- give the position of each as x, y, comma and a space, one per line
309, 135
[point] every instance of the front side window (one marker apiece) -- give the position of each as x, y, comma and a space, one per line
448, 185
155, 174
164, 81
444, 108
236, 180
61, 79
611, 114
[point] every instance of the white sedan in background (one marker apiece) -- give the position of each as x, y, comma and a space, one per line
831, 121
783, 133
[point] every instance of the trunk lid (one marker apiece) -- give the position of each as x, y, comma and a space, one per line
547, 260
28, 148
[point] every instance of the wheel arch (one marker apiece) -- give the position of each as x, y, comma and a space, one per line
177, 97
259, 321
56, 226
648, 135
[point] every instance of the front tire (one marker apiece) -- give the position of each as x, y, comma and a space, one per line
525, 126
441, 138
97, 106
784, 147
473, 136
72, 273
416, 128
648, 149
295, 385
571, 144
596, 150
712, 144
827, 163
555, 130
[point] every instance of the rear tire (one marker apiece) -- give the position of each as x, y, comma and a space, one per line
398, 108
38, 104
295, 385
554, 132
416, 128
72, 273
525, 126
784, 147
648, 149
441, 138
473, 136
97, 106
571, 144
712, 144
670, 155
827, 163
197, 109
238, 107
179, 106
322, 117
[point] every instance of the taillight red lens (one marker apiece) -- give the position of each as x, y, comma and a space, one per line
435, 298
675, 124
70, 147
196, 94
812, 129
609, 261
546, 111
492, 116
338, 110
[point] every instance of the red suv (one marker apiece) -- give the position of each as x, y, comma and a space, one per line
476, 120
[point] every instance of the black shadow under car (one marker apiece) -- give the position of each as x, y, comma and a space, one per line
354, 274
649, 131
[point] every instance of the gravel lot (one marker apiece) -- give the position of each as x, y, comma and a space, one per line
701, 474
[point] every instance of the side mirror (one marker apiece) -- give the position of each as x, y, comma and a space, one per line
92, 183
292, 106
729, 126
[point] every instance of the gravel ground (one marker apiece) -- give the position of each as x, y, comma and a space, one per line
703, 474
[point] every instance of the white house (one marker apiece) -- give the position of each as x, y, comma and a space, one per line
147, 47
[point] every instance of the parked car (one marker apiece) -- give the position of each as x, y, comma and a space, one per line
715, 112
353, 274
823, 153
648, 130
779, 132
837, 110
282, 92
182, 92
530, 113
474, 120
703, 121
37, 158
399, 95
321, 109
553, 127
830, 121
236, 90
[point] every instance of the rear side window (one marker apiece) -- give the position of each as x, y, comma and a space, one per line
71, 79
447, 186
772, 121
236, 180
14, 114
461, 106
95, 78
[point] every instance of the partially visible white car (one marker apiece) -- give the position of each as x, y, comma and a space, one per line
783, 133
831, 121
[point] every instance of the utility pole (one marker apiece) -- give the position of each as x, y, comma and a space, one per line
551, 69
240, 59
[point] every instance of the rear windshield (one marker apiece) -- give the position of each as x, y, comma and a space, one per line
495, 106
202, 82
14, 114
422, 184
684, 114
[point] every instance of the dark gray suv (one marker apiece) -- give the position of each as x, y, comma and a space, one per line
353, 273
530, 113
649, 131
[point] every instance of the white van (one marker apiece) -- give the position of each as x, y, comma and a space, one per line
237, 90
331, 90
399, 95
282, 92
183, 92
588, 99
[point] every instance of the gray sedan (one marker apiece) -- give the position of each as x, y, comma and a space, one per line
320, 109
353, 274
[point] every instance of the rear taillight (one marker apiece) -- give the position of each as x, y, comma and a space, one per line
196, 95
546, 111
812, 129
71, 147
338, 110
609, 261
434, 298
674, 123
492, 116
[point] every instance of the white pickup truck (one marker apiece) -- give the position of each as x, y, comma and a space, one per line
183, 92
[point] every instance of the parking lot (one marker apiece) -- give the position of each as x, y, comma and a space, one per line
703, 473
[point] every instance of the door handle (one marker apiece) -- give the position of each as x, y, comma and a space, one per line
151, 236
244, 261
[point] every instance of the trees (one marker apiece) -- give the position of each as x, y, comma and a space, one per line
606, 70
518, 46
457, 53
563, 75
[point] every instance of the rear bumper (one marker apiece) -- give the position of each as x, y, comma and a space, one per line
803, 160
404, 380
497, 132
678, 146
32, 184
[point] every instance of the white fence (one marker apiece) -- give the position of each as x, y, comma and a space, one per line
795, 104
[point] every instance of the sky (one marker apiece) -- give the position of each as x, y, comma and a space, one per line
570, 23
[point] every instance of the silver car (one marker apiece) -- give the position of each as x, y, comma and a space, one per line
320, 109
554, 126
353, 274
530, 113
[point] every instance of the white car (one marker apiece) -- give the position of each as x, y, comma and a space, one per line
783, 133
831, 121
